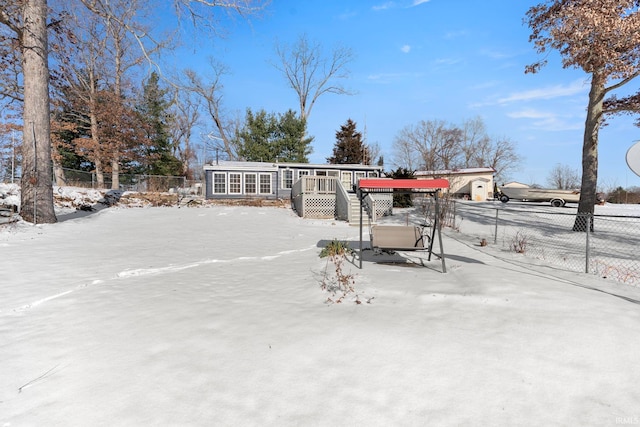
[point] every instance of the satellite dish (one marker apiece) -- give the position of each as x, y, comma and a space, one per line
633, 158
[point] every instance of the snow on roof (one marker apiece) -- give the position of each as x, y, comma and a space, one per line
463, 171
226, 164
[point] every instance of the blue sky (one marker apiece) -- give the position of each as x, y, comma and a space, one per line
415, 60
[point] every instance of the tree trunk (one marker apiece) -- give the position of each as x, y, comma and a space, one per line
99, 173
115, 174
58, 173
37, 187
590, 155
97, 152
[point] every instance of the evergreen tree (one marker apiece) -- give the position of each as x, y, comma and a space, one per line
153, 110
293, 146
402, 200
349, 147
256, 137
268, 138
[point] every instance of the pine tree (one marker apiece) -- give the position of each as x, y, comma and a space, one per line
349, 147
267, 137
153, 109
402, 200
293, 146
256, 137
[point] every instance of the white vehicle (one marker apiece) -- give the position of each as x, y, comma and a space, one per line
557, 198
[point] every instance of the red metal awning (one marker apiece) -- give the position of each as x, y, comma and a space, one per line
369, 184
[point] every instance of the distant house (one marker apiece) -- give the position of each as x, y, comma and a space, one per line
235, 179
471, 183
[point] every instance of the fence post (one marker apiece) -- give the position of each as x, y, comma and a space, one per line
495, 236
588, 220
454, 215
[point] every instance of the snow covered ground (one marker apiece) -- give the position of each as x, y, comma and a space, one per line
547, 235
215, 316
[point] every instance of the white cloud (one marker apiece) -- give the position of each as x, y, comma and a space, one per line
530, 113
486, 85
495, 54
455, 34
347, 15
547, 120
392, 4
550, 92
384, 6
447, 61
406, 48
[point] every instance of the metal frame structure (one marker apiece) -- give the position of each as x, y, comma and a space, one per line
405, 186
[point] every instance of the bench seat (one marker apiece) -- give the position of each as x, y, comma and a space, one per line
397, 237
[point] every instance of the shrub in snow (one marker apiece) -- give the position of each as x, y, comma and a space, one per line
340, 284
519, 242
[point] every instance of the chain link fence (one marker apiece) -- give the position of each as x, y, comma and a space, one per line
608, 249
131, 182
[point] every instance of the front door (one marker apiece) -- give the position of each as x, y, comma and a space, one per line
347, 179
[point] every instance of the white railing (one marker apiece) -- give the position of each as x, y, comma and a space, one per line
343, 204
314, 196
326, 197
317, 184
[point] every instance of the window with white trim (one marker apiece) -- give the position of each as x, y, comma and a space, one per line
360, 175
235, 183
287, 178
219, 183
265, 183
303, 172
250, 183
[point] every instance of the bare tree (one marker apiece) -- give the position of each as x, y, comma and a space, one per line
563, 177
185, 116
498, 153
25, 30
602, 39
435, 145
211, 93
404, 155
122, 53
310, 73
474, 135
372, 153
83, 67
433, 142
27, 22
